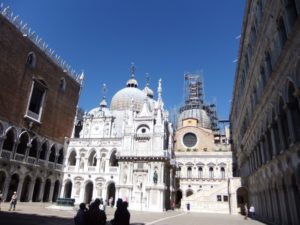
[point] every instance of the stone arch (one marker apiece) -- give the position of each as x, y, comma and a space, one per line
55, 191
52, 153
25, 189
37, 190
178, 198
10, 139
242, 195
33, 151
44, 150
72, 158
47, 190
23, 142
88, 191
3, 177
92, 157
284, 122
111, 191
68, 188
60, 157
13, 185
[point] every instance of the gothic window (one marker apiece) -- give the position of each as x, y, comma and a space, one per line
113, 159
281, 32
62, 84
92, 161
36, 100
22, 146
31, 60
295, 111
52, 154
60, 156
33, 149
43, 151
179, 171
276, 133
284, 124
9, 140
291, 11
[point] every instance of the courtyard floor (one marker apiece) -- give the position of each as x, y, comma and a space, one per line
39, 214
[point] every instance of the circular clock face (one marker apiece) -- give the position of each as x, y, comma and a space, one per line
189, 140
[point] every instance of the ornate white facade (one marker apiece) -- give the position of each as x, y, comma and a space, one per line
123, 152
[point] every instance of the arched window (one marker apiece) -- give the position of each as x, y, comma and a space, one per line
222, 172
179, 171
189, 172
211, 172
9, 140
22, 146
92, 161
43, 151
284, 124
31, 60
33, 149
60, 158
52, 154
72, 159
113, 159
276, 133
62, 84
200, 172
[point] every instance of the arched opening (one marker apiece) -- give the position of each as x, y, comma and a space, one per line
60, 158
43, 151
47, 190
113, 159
178, 198
55, 191
295, 111
9, 140
284, 124
88, 193
189, 172
33, 149
189, 192
13, 186
72, 159
242, 198
92, 160
211, 172
25, 189
276, 133
22, 146
52, 154
111, 192
200, 172
2, 180
68, 189
36, 190
222, 172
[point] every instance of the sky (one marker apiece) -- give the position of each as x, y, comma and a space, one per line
164, 38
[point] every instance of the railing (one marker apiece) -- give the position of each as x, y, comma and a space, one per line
92, 168
19, 157
31, 160
6, 154
41, 162
50, 165
113, 169
71, 168
58, 166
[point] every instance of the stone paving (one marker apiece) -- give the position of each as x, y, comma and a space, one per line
40, 214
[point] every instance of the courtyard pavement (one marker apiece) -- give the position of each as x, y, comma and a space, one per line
40, 214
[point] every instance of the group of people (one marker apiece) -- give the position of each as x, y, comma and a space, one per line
95, 214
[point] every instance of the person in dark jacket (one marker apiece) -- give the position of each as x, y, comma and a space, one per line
94, 215
80, 218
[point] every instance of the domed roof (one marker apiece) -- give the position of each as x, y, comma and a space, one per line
132, 82
122, 100
99, 111
199, 114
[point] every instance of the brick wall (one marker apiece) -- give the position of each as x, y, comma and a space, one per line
16, 79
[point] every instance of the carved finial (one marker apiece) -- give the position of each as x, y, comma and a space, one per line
103, 90
147, 80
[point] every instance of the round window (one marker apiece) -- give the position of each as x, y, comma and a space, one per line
189, 140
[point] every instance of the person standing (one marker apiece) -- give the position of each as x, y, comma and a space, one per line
246, 211
252, 211
80, 218
13, 201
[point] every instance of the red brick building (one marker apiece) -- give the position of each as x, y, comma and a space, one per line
38, 98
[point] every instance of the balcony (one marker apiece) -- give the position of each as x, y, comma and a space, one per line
71, 168
41, 162
19, 157
58, 166
51, 165
91, 168
31, 160
113, 169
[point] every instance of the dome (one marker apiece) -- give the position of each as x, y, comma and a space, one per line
132, 82
200, 114
122, 100
99, 111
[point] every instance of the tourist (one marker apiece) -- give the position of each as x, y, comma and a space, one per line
13, 201
94, 215
110, 201
252, 211
122, 215
188, 206
246, 211
80, 217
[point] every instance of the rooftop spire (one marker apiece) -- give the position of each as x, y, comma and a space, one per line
132, 70
132, 81
103, 102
